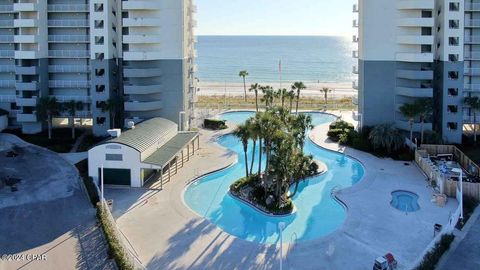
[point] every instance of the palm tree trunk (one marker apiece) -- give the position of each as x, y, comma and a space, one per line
422, 134
73, 127
246, 160
253, 156
298, 99
256, 100
411, 131
245, 88
475, 128
260, 157
295, 190
326, 99
49, 126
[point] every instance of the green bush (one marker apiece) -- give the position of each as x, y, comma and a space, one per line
115, 249
334, 134
214, 124
469, 206
340, 124
431, 258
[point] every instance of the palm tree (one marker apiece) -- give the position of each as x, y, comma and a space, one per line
386, 136
301, 124
298, 86
71, 108
244, 74
255, 87
291, 97
410, 111
253, 130
325, 91
268, 96
474, 103
282, 94
425, 107
112, 106
242, 132
47, 108
300, 167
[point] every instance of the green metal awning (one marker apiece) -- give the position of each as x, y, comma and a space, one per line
169, 150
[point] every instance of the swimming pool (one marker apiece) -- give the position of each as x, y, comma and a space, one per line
405, 201
318, 213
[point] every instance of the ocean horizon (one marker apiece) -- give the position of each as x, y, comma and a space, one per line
311, 59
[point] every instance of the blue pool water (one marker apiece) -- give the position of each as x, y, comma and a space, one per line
405, 201
318, 213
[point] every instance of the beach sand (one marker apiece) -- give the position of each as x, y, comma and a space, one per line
339, 90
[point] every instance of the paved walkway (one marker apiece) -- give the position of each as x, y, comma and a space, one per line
74, 158
166, 234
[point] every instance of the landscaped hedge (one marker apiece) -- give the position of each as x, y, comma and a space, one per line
214, 124
90, 186
431, 258
115, 249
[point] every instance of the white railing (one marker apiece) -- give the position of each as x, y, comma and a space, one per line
69, 68
7, 83
6, 38
472, 55
6, 23
68, 7
470, 39
69, 54
68, 38
74, 98
7, 98
7, 53
6, 8
68, 23
472, 6
474, 23
355, 23
5, 68
472, 70
355, 8
69, 84
472, 87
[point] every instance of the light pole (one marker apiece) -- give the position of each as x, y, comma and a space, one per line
281, 227
460, 171
101, 186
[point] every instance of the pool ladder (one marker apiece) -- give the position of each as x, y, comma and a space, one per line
335, 190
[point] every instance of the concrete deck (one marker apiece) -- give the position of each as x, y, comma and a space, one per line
166, 234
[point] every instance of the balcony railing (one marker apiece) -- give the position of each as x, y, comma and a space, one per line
7, 83
7, 98
472, 71
6, 8
472, 6
85, 99
470, 39
6, 23
472, 55
68, 54
6, 38
472, 23
68, 84
355, 8
7, 53
7, 68
68, 23
68, 8
68, 69
68, 38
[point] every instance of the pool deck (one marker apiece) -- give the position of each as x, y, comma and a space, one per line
166, 234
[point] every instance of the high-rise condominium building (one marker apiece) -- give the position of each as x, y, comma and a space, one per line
418, 49
139, 53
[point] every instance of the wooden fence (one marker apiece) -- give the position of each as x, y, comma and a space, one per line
469, 189
460, 157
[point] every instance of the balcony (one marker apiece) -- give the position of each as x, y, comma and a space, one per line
472, 56
355, 54
355, 39
355, 70
355, 85
7, 98
6, 23
7, 68
416, 22
141, 22
6, 8
68, 8
78, 114
27, 117
68, 39
26, 102
68, 54
415, 92
137, 106
415, 74
140, 5
25, 23
25, 7
68, 84
469, 119
471, 40
472, 6
26, 55
472, 23
355, 8
6, 38
472, 87
141, 72
69, 69
417, 127
7, 53
26, 86
26, 70
415, 57
68, 23
472, 71
141, 55
416, 5
415, 39
63, 99
26, 38
142, 89
7, 83
139, 39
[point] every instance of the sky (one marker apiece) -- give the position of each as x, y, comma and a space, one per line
275, 17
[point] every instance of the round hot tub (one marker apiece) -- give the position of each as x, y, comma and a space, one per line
405, 201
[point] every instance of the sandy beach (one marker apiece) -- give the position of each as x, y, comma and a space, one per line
339, 90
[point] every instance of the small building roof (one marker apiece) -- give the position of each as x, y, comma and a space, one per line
169, 150
145, 134
3, 112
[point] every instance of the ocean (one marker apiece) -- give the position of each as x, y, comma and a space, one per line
310, 59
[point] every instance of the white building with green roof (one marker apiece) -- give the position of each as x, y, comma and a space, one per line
146, 153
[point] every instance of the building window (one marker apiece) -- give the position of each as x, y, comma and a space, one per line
452, 126
453, 57
101, 104
98, 7
100, 88
99, 40
99, 72
99, 24
101, 120
114, 157
454, 24
455, 6
453, 41
99, 56
452, 109
453, 75
453, 92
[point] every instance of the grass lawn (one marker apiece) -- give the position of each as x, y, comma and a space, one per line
61, 141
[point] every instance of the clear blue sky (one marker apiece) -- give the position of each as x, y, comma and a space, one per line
275, 17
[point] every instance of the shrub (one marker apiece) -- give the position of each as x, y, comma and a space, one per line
340, 124
431, 258
334, 134
214, 124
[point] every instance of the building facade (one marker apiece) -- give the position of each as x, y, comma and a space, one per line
417, 49
139, 53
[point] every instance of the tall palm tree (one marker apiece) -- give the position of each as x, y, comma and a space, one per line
301, 124
255, 87
386, 136
291, 97
112, 106
242, 132
282, 94
268, 96
410, 111
474, 103
325, 91
300, 167
71, 108
253, 130
425, 107
298, 86
47, 108
244, 74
